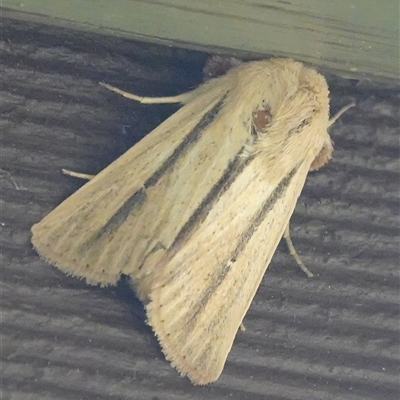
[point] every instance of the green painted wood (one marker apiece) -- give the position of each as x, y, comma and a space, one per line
357, 38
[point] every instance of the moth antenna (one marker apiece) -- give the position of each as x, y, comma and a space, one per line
340, 112
146, 100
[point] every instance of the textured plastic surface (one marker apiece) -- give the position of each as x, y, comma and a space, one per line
334, 336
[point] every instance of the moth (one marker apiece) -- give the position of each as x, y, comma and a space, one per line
193, 213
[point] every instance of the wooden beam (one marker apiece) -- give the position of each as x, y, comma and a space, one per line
356, 38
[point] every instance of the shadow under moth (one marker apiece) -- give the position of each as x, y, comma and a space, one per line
193, 213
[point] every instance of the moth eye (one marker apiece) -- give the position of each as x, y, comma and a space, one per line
262, 118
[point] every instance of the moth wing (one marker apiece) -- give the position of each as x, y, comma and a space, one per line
192, 214
203, 287
113, 222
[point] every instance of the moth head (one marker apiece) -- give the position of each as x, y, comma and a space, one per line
323, 156
289, 111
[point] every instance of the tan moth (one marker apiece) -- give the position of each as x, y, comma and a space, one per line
193, 213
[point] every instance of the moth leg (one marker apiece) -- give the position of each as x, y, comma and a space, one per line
77, 174
181, 98
10, 178
293, 252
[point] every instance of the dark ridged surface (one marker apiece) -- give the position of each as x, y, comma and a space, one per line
334, 336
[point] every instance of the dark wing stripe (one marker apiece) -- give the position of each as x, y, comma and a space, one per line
186, 143
235, 167
267, 205
138, 197
121, 214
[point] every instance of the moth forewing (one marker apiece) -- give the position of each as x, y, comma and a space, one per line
197, 310
88, 233
194, 212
